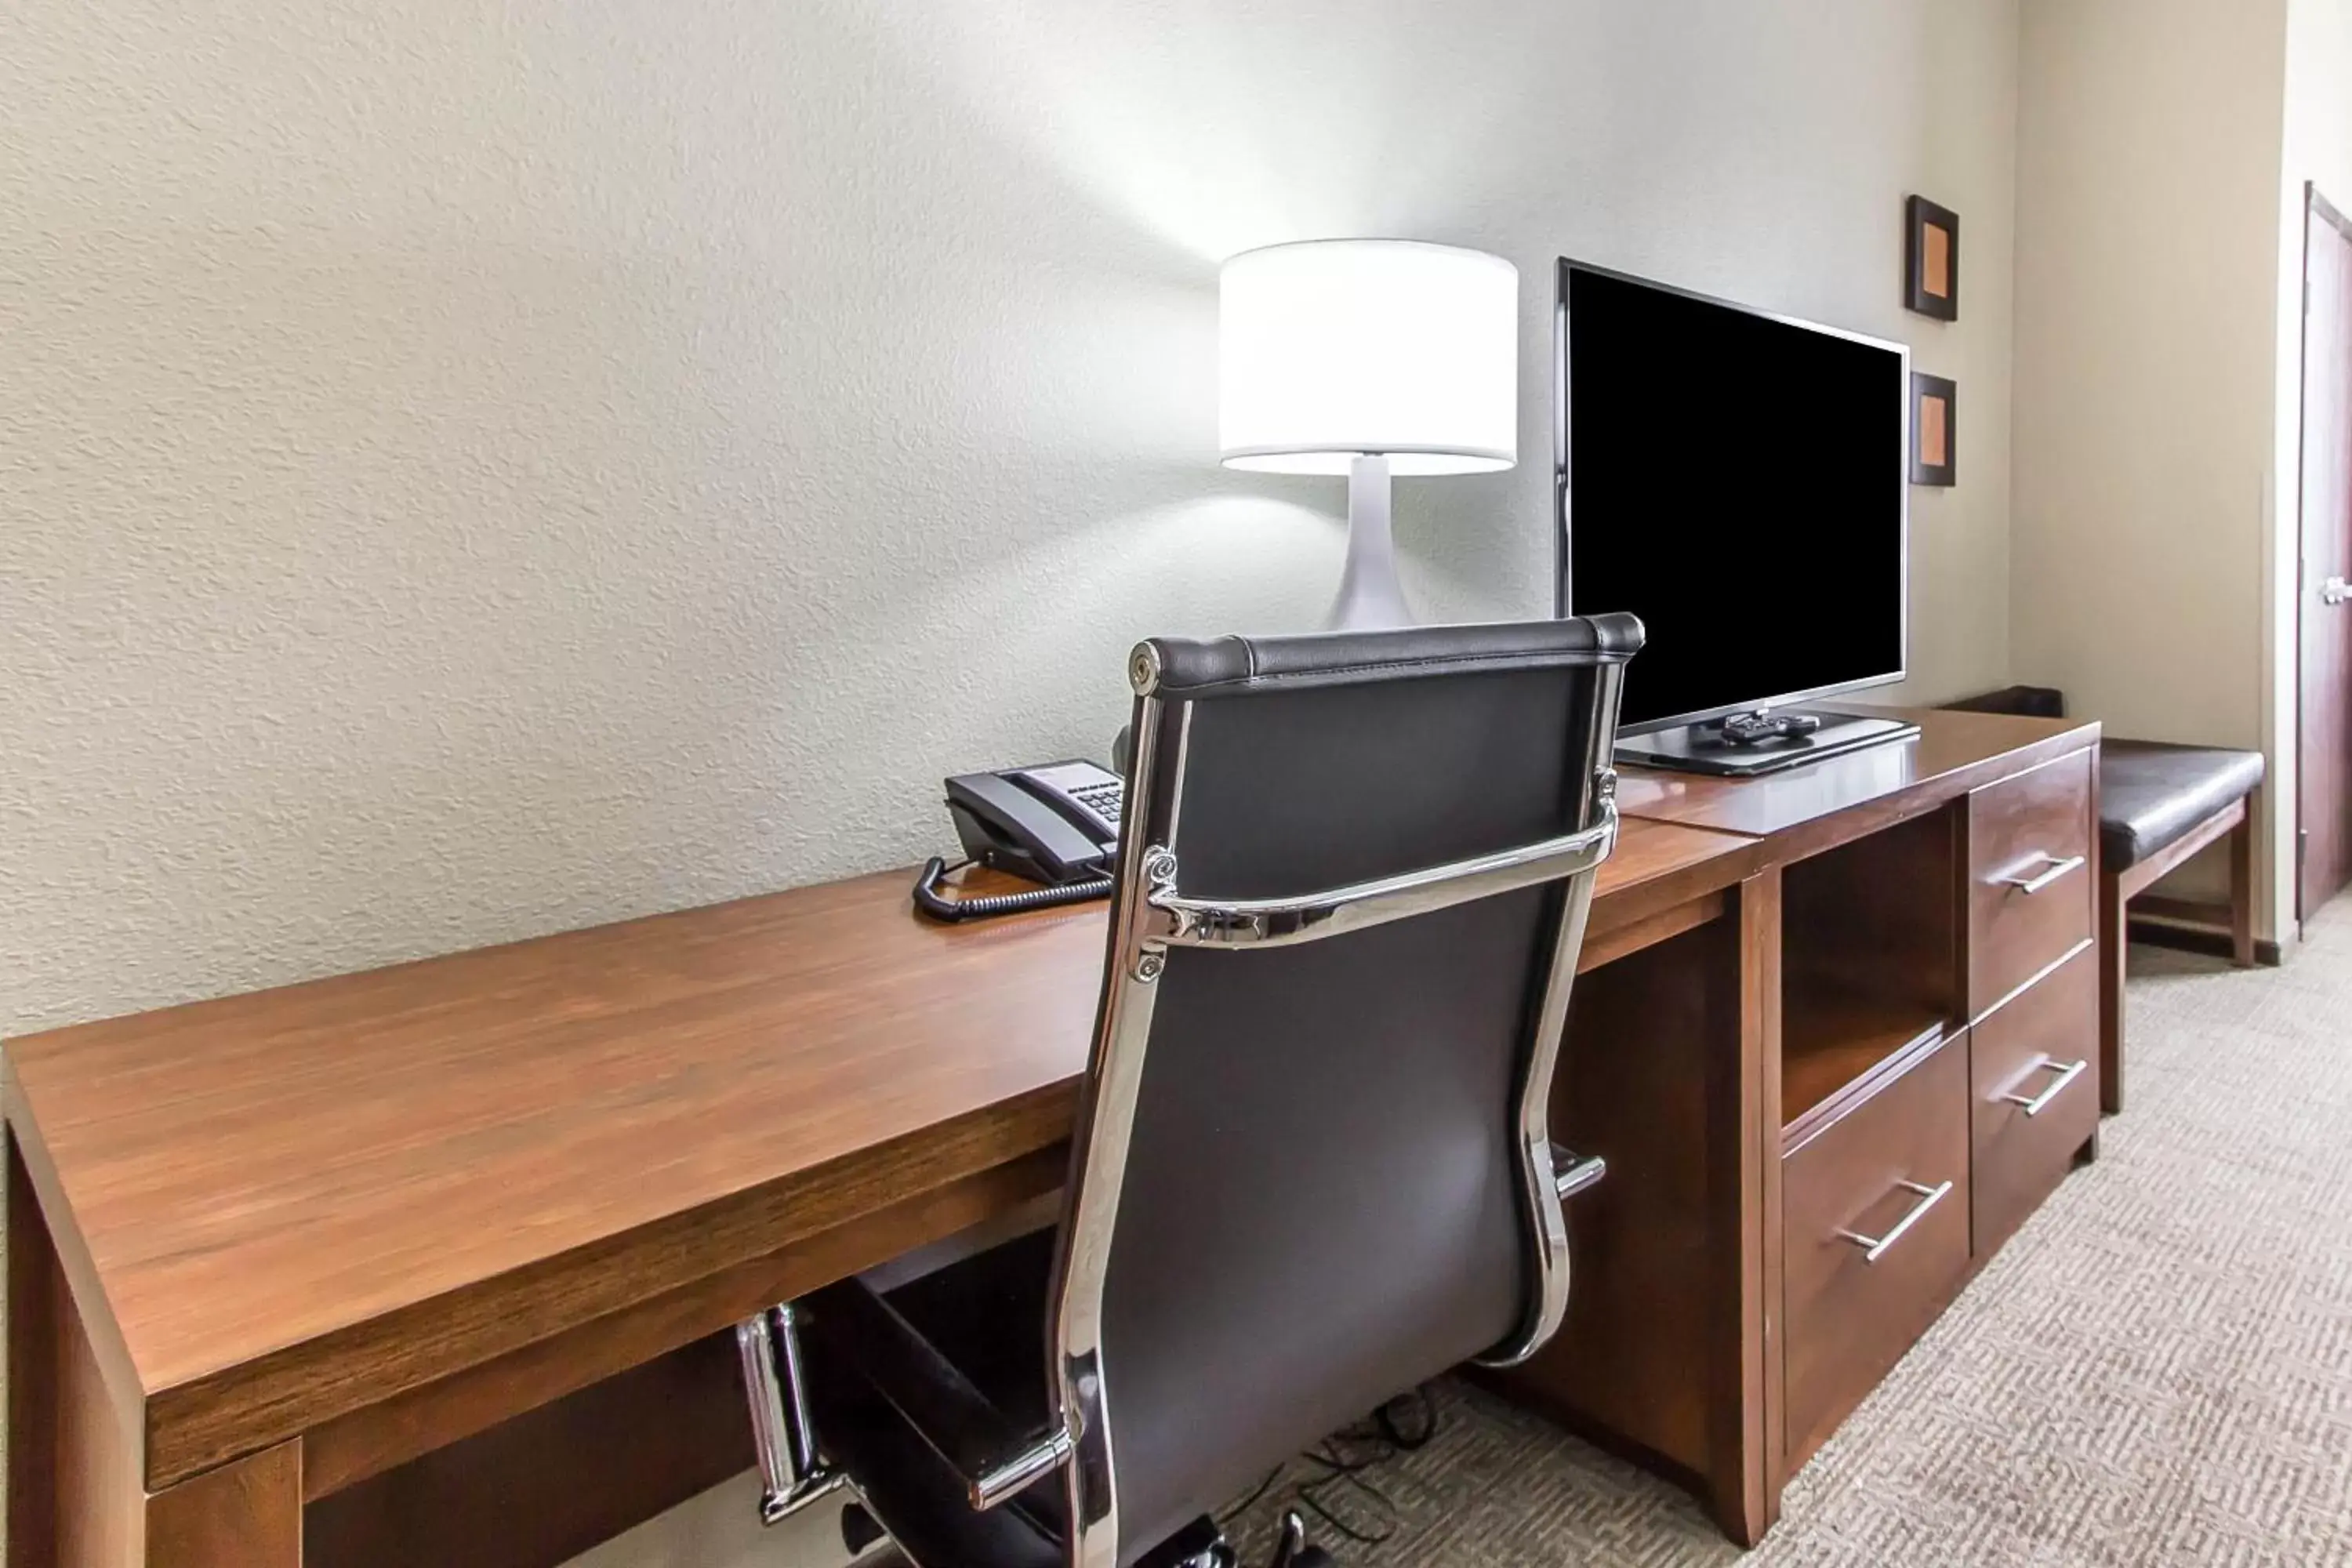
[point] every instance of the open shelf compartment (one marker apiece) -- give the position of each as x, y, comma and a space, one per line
1870, 964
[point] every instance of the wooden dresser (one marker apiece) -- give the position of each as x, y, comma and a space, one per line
1933, 1077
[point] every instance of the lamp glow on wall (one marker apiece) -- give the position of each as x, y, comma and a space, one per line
1368, 358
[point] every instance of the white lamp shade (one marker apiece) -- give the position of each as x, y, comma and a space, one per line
1332, 349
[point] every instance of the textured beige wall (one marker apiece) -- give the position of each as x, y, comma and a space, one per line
472, 470
467, 471
2147, 222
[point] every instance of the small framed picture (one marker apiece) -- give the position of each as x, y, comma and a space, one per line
1935, 430
1931, 259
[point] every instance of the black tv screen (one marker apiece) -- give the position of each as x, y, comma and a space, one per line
1740, 482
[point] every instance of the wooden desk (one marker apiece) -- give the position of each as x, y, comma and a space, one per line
437, 1251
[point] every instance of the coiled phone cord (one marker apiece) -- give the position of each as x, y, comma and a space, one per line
932, 902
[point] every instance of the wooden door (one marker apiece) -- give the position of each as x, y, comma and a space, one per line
2325, 598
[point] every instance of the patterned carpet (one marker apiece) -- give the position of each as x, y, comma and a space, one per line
2157, 1371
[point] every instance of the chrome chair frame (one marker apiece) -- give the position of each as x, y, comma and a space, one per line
1154, 916
792, 1473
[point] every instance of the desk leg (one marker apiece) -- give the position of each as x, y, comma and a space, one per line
74, 1495
246, 1514
32, 1374
74, 1499
1745, 1457
1670, 1067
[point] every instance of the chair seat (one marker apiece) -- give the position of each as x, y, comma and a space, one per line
986, 1315
2150, 793
914, 1493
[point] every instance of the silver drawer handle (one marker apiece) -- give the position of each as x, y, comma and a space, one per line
1874, 1248
2035, 1105
2057, 868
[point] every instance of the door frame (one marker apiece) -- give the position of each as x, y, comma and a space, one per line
2316, 210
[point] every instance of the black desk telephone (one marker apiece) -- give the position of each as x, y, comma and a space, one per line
1057, 824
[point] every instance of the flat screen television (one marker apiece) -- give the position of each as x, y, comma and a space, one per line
1741, 481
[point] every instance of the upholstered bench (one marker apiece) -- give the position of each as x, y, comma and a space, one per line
2158, 805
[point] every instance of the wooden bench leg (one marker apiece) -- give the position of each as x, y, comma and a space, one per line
2112, 943
2241, 891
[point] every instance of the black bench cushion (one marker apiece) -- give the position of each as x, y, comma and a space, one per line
2150, 793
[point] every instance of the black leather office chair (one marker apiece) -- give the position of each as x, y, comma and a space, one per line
1312, 1167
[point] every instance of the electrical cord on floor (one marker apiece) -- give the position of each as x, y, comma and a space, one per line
1257, 1494
1339, 1466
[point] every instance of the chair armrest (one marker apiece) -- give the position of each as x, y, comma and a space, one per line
1572, 1172
850, 1324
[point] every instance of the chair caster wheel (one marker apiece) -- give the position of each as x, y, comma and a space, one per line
859, 1531
1293, 1551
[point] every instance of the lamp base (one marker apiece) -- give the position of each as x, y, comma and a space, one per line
1370, 597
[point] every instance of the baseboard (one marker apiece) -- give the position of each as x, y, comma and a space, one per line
2205, 940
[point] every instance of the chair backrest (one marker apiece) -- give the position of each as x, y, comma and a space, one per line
1312, 1166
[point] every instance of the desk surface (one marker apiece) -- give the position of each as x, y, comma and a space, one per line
1953, 752
274, 1208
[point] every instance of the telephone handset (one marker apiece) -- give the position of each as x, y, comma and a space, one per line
1057, 824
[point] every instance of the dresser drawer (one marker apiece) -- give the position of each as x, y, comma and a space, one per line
1893, 1172
2030, 875
2034, 1068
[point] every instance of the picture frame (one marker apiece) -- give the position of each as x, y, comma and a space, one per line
1931, 259
1935, 430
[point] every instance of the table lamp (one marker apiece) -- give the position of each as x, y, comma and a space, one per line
1368, 358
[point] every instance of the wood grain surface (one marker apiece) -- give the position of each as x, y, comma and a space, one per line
1666, 1356
376, 1438
545, 1487
1743, 1474
74, 1496
2018, 1160
1849, 1322
2019, 828
1649, 1038
1812, 807
35, 1283
247, 1514
302, 1203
